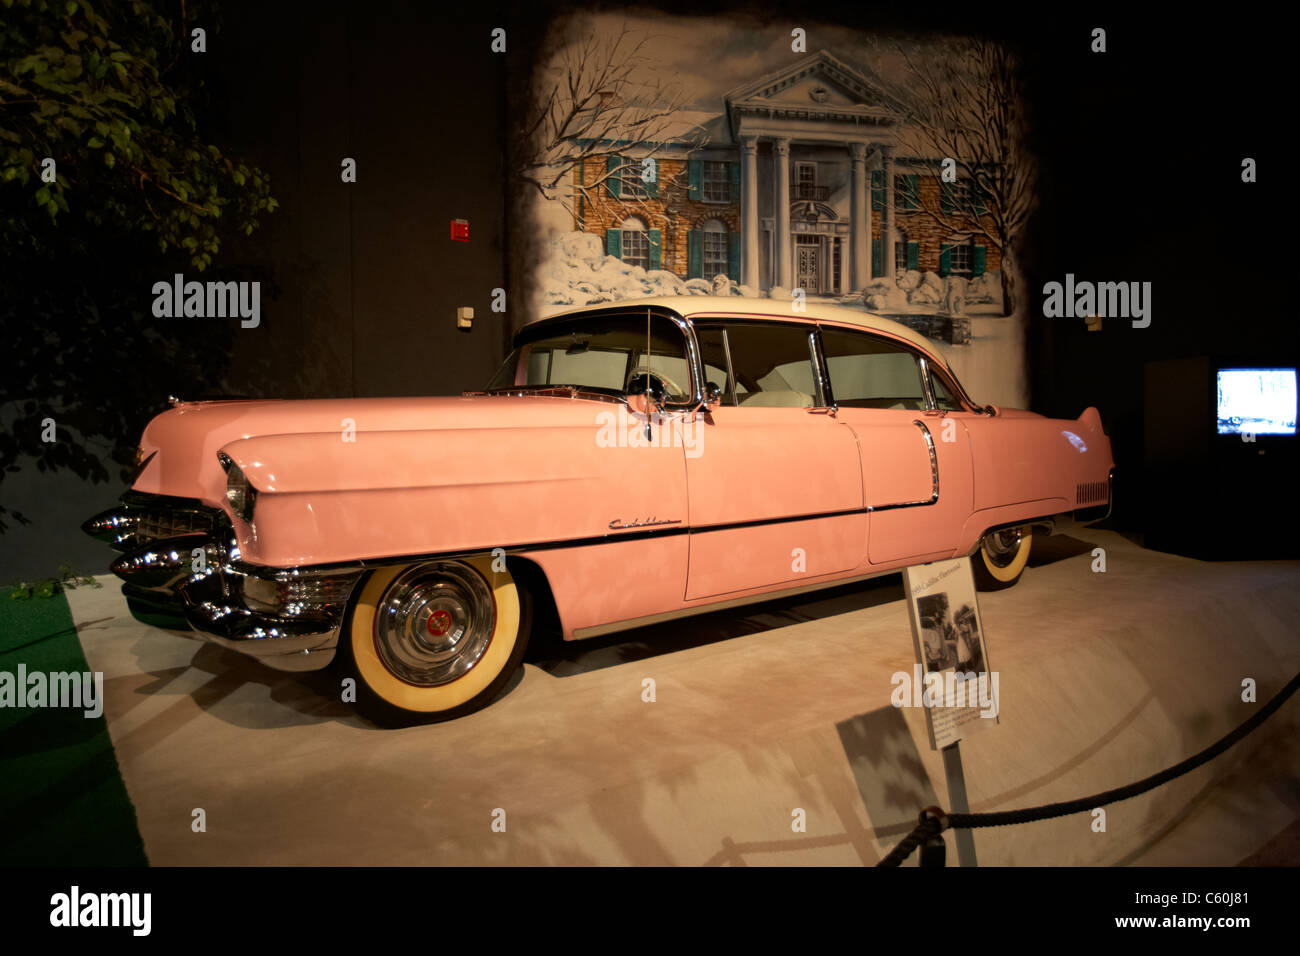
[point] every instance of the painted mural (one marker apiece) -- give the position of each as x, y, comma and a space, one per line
675, 156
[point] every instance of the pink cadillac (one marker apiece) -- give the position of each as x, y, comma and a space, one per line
629, 463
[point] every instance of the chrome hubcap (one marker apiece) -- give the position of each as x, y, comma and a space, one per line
1001, 547
434, 623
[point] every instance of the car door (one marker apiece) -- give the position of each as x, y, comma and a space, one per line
774, 491
916, 459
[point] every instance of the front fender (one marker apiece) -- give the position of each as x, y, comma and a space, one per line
322, 499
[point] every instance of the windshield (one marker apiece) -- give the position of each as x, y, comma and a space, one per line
600, 353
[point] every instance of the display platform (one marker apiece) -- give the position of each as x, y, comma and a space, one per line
758, 712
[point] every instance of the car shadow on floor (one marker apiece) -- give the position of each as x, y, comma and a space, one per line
1050, 549
561, 658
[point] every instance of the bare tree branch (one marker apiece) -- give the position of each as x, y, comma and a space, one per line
605, 100
964, 102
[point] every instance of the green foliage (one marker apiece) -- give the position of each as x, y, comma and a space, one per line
107, 90
114, 94
48, 587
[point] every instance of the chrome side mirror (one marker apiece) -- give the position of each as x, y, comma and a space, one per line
712, 399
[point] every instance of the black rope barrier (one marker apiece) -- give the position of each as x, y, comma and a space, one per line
934, 821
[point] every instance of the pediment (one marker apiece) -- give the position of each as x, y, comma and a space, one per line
817, 81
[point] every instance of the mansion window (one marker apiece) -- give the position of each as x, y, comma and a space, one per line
964, 198
717, 182
636, 243
907, 191
805, 181
962, 259
632, 186
715, 248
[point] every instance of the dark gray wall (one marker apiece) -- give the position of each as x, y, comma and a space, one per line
360, 282
367, 277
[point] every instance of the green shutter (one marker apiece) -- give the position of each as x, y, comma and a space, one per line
695, 178
733, 256
977, 266
614, 243
656, 249
945, 196
945, 258
914, 255
734, 172
614, 184
877, 190
913, 181
652, 187
695, 254
877, 258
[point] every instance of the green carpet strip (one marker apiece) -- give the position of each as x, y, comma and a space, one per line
62, 798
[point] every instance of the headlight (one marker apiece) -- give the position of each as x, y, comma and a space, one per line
241, 495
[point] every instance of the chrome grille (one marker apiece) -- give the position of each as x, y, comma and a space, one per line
158, 523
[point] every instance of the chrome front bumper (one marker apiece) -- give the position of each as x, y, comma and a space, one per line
195, 582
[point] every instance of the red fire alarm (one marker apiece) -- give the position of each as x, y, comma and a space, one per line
460, 230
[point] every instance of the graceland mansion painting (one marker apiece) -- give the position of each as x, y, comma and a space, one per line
696, 156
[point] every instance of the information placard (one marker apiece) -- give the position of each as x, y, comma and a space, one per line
952, 679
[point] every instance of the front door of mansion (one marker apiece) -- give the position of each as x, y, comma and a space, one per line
807, 264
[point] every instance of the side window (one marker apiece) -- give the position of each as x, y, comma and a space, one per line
943, 396
713, 354
600, 352
772, 366
869, 372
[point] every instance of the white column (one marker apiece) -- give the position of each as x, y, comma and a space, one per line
749, 211
859, 220
887, 221
784, 254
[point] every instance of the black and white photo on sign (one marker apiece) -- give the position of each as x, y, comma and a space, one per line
953, 680
951, 638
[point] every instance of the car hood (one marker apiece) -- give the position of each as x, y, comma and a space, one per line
181, 445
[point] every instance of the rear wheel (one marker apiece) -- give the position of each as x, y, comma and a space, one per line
434, 640
1001, 558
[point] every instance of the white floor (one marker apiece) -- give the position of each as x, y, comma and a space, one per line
760, 712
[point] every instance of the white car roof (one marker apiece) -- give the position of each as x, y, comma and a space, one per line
692, 306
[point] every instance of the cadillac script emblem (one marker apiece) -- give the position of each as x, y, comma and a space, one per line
618, 524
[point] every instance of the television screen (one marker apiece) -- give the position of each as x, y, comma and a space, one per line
1259, 401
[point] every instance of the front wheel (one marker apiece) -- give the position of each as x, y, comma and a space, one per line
1001, 558
434, 640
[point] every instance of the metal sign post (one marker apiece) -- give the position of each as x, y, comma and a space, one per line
957, 803
952, 662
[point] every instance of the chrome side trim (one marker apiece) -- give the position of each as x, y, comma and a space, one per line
934, 474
